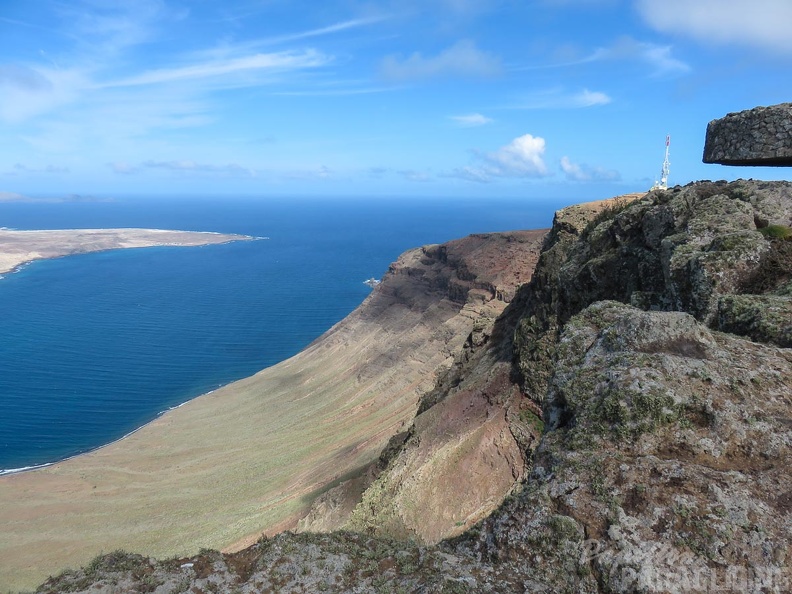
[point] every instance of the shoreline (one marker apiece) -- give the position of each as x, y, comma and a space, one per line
10, 471
19, 248
42, 240
224, 466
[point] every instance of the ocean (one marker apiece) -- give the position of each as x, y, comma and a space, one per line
96, 345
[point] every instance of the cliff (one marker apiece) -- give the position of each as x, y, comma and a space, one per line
252, 456
638, 389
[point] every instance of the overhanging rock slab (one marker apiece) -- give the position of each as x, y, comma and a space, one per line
759, 136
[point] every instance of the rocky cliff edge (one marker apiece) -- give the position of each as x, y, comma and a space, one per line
650, 390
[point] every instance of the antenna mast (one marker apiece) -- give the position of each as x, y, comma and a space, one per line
663, 183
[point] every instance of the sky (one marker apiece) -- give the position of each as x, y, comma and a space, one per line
524, 98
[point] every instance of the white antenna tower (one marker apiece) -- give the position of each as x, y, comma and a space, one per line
663, 183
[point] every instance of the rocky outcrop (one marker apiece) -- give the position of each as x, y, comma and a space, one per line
652, 348
663, 467
759, 136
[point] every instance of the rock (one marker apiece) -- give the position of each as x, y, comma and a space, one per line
759, 136
763, 318
664, 466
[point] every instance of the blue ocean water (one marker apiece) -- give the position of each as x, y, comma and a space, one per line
94, 346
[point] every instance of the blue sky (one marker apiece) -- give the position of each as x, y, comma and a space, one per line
534, 98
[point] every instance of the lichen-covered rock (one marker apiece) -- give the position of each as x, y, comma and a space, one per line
681, 249
764, 318
665, 463
759, 136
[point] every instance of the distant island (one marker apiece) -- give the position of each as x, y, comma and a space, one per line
20, 247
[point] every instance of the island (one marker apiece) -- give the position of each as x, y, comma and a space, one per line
20, 247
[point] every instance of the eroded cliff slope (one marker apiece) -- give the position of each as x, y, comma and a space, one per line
654, 342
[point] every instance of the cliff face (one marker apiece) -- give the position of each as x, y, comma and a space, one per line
413, 490
644, 379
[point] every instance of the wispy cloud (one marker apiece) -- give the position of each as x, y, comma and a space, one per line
658, 58
415, 176
27, 91
377, 172
758, 23
51, 169
471, 120
224, 49
462, 59
123, 168
560, 99
320, 173
13, 197
583, 173
188, 166
110, 27
471, 174
328, 30
332, 92
258, 62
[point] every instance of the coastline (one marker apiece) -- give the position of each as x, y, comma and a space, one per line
21, 247
219, 469
9, 471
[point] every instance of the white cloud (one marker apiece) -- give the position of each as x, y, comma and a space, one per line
462, 59
660, 57
760, 23
586, 98
471, 120
582, 172
522, 157
560, 99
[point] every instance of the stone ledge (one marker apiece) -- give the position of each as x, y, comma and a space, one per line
759, 136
